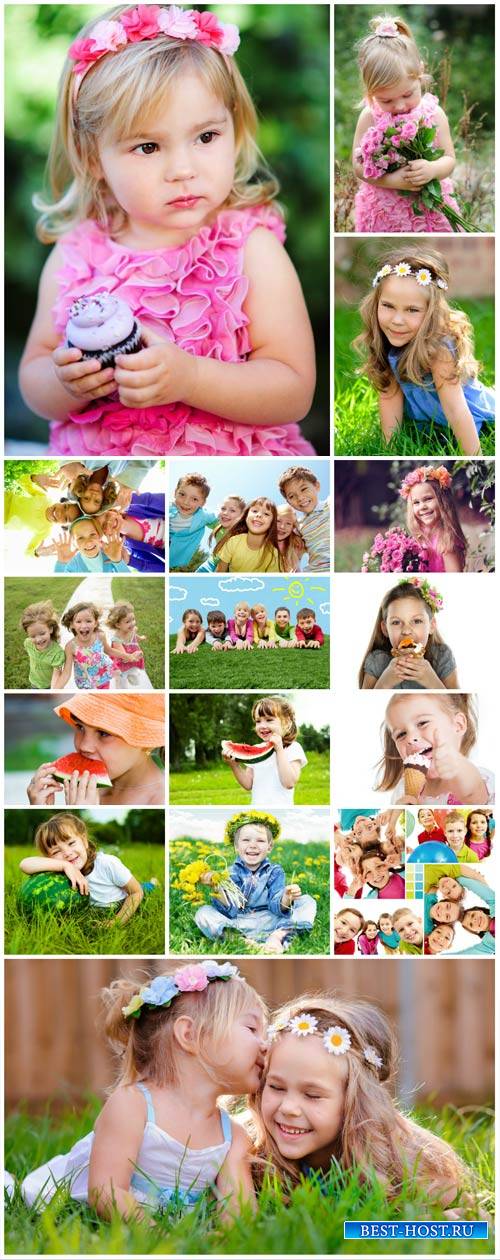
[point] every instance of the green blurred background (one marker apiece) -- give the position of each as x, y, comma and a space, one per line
284, 58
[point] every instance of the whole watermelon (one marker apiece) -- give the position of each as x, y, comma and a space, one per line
49, 890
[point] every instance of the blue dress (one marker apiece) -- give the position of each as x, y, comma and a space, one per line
422, 402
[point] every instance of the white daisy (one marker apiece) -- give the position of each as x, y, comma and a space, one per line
402, 269
423, 277
336, 1040
275, 1028
302, 1025
441, 284
384, 271
371, 1056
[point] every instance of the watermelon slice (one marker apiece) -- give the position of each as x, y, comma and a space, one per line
250, 753
64, 767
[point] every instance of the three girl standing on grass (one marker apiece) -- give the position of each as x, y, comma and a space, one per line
95, 663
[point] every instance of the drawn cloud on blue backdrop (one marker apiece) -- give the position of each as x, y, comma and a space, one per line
177, 594
325, 608
210, 603
241, 584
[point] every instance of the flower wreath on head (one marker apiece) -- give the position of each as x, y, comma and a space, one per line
422, 275
418, 475
429, 593
336, 1039
161, 991
256, 816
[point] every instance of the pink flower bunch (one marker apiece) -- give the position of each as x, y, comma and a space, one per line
395, 552
147, 21
381, 145
418, 475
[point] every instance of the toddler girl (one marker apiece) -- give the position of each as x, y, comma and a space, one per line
88, 652
251, 546
291, 545
126, 648
420, 350
394, 81
159, 190
432, 517
406, 651
191, 633
326, 1096
65, 845
230, 511
42, 647
477, 838
427, 741
273, 780
122, 732
241, 627
184, 1038
264, 634
98, 551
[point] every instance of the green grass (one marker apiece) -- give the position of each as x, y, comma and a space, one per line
83, 932
148, 598
215, 785
281, 667
311, 1222
306, 865
357, 425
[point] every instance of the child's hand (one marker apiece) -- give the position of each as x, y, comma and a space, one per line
155, 376
207, 878
83, 378
64, 549
290, 894
191, 648
418, 172
123, 498
418, 669
448, 761
275, 733
217, 647
81, 789
179, 649
113, 547
76, 879
43, 786
228, 757
313, 643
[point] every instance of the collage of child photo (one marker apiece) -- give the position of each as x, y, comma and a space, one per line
248, 911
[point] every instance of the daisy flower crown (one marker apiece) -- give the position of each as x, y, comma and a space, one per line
422, 275
150, 21
336, 1039
161, 991
247, 817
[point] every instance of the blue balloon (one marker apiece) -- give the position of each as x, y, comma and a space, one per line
433, 851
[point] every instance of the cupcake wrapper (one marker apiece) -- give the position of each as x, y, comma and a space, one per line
131, 345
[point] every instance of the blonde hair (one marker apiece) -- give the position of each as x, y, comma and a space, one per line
69, 616
383, 60
146, 1046
453, 537
62, 827
380, 641
115, 93
390, 765
294, 545
416, 360
277, 707
44, 611
375, 1135
118, 612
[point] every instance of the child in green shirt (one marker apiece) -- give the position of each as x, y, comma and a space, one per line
45, 654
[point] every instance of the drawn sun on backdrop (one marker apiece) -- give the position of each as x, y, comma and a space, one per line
298, 592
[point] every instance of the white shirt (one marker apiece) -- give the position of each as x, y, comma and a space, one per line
267, 788
107, 880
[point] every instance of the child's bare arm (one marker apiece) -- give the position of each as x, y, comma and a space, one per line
180, 644
234, 1181
65, 671
135, 894
55, 380
390, 407
243, 774
195, 643
117, 1141
35, 865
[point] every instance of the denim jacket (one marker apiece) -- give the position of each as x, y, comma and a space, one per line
262, 888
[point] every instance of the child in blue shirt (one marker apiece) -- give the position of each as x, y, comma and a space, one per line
188, 519
274, 910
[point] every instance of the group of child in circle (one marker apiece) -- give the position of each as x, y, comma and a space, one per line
445, 909
400, 932
248, 628
255, 537
95, 661
369, 859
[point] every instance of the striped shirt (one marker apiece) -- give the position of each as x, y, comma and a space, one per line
315, 530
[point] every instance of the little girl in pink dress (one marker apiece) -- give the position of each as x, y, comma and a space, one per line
165, 204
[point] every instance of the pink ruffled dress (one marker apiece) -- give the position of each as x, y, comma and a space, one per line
194, 294
387, 210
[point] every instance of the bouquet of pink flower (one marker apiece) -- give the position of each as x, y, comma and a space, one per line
395, 140
395, 552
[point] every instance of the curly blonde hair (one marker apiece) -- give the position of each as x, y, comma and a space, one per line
441, 321
44, 611
117, 91
375, 1136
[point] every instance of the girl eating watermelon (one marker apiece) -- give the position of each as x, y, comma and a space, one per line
116, 734
270, 770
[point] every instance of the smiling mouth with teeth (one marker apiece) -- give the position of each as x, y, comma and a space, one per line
292, 1132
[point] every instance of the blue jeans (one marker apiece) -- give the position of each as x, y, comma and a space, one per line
257, 925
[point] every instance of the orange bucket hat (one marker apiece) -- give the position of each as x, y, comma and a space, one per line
137, 719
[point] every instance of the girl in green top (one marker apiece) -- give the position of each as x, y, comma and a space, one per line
42, 647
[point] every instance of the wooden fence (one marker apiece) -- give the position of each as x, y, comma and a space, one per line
442, 1009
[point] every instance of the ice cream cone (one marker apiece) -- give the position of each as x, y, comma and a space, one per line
414, 780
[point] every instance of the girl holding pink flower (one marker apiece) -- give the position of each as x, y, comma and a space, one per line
432, 518
397, 108
184, 1038
418, 350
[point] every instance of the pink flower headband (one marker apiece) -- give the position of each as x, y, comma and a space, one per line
418, 475
386, 28
193, 978
148, 21
429, 593
402, 269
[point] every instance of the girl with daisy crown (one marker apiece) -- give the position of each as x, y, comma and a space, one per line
325, 1097
163, 211
419, 351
